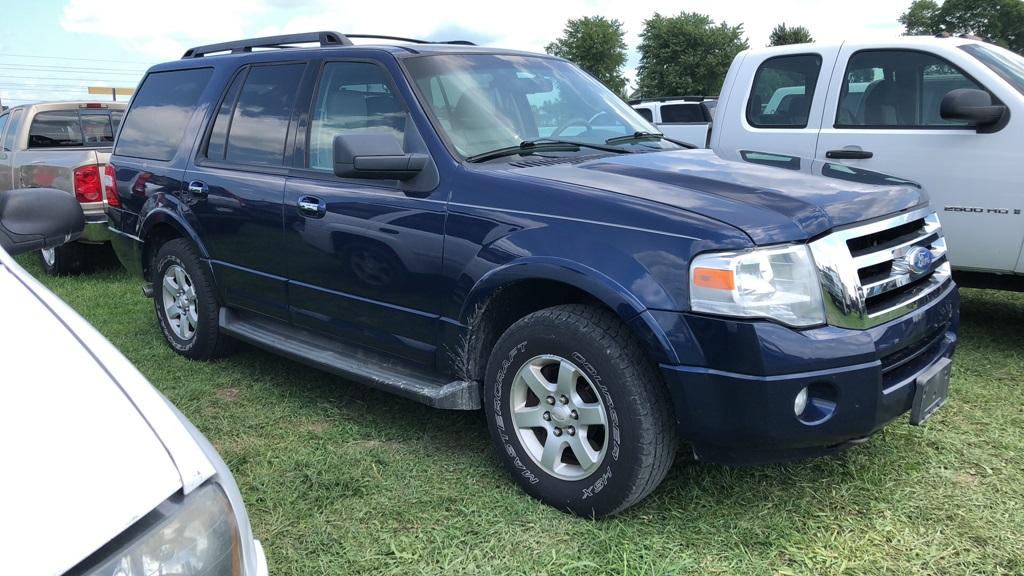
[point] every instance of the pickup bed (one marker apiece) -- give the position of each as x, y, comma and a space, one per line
946, 113
63, 145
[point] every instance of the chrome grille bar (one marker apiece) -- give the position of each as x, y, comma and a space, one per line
851, 303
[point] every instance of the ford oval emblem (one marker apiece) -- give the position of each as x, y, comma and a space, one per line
919, 260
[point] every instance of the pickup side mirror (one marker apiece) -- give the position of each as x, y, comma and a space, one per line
974, 106
377, 156
38, 218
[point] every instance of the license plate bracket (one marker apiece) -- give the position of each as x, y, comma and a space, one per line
931, 392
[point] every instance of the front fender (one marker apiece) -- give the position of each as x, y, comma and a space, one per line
588, 280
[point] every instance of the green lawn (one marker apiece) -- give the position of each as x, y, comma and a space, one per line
340, 479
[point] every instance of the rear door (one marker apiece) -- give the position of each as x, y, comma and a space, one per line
364, 256
772, 103
883, 115
235, 186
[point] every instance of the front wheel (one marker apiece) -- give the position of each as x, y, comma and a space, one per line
577, 412
186, 303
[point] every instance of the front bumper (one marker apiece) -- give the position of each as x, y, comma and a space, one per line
737, 406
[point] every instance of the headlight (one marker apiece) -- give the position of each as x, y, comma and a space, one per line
197, 536
780, 283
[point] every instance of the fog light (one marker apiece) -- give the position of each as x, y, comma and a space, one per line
800, 404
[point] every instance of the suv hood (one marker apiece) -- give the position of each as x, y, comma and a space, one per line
89, 447
768, 203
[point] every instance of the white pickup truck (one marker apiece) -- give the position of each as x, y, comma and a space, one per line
63, 145
944, 112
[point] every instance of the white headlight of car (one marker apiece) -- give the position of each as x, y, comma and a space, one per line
197, 537
779, 283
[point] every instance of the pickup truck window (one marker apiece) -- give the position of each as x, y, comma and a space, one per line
160, 110
1006, 64
259, 123
353, 97
3, 123
783, 90
54, 129
897, 89
485, 102
646, 113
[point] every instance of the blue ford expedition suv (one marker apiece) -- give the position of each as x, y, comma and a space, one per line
478, 228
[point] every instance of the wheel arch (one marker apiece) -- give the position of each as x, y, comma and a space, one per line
159, 227
506, 294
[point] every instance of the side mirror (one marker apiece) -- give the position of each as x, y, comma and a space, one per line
377, 156
974, 106
37, 218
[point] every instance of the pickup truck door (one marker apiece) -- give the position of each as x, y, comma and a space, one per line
364, 256
772, 105
882, 114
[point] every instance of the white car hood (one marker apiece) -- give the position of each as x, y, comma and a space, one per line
80, 462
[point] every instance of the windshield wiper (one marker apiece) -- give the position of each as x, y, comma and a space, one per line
541, 145
641, 136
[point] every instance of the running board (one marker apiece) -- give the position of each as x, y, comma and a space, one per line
372, 369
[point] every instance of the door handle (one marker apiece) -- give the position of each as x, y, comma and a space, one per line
198, 189
845, 154
311, 207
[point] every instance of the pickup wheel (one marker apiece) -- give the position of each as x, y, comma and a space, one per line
64, 260
576, 411
186, 303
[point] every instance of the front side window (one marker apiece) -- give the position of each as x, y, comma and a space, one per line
353, 97
155, 124
897, 89
1006, 64
486, 102
783, 91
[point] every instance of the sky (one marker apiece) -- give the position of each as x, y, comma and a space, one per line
53, 49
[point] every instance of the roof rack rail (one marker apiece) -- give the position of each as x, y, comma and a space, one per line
667, 98
325, 38
411, 40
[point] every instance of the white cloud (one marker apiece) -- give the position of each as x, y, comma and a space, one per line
525, 25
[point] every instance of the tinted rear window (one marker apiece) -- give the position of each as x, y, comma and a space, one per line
156, 122
646, 113
682, 113
55, 128
259, 125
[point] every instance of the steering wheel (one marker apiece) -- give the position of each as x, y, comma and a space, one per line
578, 121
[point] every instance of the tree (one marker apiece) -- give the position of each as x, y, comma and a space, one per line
686, 54
597, 45
1000, 21
782, 35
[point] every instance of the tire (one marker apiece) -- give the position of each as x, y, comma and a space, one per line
604, 368
64, 260
180, 279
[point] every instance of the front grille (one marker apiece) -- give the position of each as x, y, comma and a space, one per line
879, 271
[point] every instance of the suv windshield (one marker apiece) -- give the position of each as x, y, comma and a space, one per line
1006, 64
487, 102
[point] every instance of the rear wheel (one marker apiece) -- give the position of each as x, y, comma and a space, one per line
63, 260
577, 412
186, 303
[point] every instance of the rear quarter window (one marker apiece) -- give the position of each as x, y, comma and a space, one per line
682, 113
155, 124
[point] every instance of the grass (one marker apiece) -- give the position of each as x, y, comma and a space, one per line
340, 479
